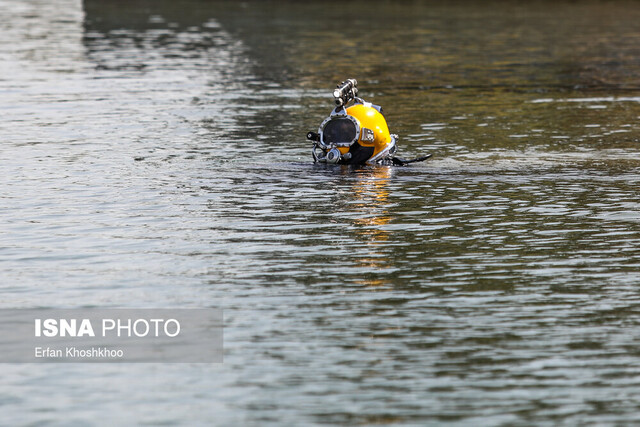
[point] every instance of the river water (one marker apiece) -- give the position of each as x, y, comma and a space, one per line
153, 154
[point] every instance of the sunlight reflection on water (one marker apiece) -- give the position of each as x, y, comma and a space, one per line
154, 156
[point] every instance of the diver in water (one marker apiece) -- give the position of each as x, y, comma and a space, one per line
355, 135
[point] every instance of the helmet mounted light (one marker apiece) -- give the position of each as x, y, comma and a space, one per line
345, 92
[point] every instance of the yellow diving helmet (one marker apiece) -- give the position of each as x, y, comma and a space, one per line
355, 135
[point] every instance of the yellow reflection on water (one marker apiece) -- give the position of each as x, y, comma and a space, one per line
371, 196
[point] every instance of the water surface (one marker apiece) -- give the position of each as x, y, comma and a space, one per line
153, 155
